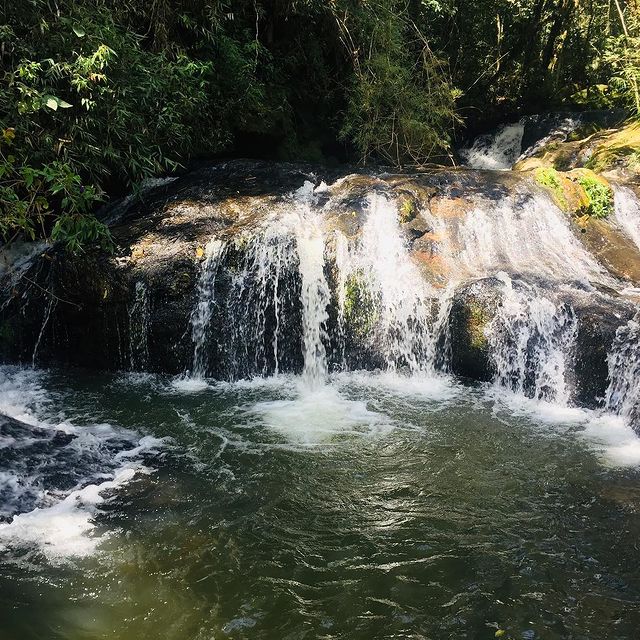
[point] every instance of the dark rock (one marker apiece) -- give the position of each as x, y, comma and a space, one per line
474, 305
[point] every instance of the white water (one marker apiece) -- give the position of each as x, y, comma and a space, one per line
52, 519
315, 294
623, 393
400, 309
497, 151
202, 312
531, 339
139, 317
524, 234
627, 212
501, 149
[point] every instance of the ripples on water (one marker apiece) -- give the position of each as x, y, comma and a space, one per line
375, 506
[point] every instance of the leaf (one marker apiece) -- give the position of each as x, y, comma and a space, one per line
79, 31
51, 102
64, 105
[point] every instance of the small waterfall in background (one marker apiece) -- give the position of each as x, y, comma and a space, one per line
139, 316
501, 149
623, 393
627, 212
498, 151
531, 339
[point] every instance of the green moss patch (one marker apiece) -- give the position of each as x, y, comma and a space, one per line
359, 309
549, 178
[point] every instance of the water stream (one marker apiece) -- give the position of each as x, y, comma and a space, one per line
317, 471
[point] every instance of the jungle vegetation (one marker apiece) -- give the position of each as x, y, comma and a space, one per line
97, 95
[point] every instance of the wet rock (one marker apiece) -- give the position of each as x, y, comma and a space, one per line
474, 306
599, 318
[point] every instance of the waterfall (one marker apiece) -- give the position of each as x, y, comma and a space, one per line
623, 393
496, 151
286, 295
383, 295
139, 315
525, 234
627, 212
315, 296
531, 339
274, 287
201, 315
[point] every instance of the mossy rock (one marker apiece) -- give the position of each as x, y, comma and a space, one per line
620, 148
407, 210
359, 309
566, 193
580, 192
477, 321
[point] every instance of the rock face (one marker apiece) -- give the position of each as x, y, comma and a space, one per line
210, 271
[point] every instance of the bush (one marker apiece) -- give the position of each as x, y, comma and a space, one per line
600, 196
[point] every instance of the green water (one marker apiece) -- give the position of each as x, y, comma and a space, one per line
374, 509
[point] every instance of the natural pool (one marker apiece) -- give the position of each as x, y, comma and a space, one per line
376, 506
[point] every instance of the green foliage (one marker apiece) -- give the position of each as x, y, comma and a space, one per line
96, 95
549, 178
76, 231
401, 107
600, 197
407, 210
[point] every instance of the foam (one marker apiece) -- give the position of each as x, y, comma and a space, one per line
318, 416
65, 529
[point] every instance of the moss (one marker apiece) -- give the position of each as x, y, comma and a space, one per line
599, 195
407, 210
359, 309
476, 324
549, 178
619, 148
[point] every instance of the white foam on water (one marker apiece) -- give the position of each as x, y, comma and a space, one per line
65, 529
182, 384
436, 388
62, 526
319, 416
617, 444
611, 437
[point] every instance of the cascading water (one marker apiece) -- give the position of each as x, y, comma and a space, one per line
359, 300
139, 316
383, 295
623, 393
531, 339
201, 315
315, 294
627, 212
274, 287
501, 149
496, 151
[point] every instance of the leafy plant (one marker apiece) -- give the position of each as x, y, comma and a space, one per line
600, 197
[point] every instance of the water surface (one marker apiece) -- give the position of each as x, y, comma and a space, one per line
374, 506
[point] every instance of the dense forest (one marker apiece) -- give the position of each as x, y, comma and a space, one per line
97, 95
